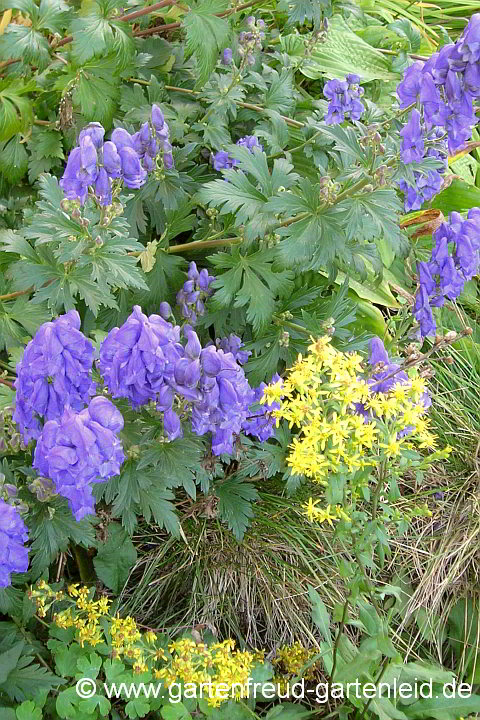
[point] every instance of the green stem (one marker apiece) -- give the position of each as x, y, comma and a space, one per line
370, 586
337, 639
259, 108
378, 489
25, 635
298, 147
382, 673
291, 325
84, 564
202, 244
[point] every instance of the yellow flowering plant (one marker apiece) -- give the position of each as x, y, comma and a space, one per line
356, 428
351, 438
87, 638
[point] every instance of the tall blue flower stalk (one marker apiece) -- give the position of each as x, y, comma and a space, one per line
125, 158
454, 261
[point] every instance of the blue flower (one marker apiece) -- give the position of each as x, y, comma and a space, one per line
227, 56
232, 345
195, 291
55, 371
344, 99
413, 145
137, 359
80, 449
422, 312
384, 377
222, 160
13, 536
445, 85
261, 422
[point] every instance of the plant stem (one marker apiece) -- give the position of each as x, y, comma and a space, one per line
258, 108
84, 563
443, 342
201, 244
287, 323
5, 382
126, 18
175, 25
382, 673
25, 635
370, 587
337, 639
12, 295
378, 489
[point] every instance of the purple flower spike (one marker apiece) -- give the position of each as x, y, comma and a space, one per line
413, 145
227, 56
111, 160
158, 118
13, 536
80, 449
134, 176
344, 99
95, 132
55, 371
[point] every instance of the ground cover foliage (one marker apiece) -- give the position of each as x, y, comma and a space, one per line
239, 356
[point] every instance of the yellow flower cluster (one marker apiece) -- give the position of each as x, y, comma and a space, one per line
84, 615
44, 597
291, 661
320, 397
218, 666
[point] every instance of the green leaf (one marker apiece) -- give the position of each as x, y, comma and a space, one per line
442, 708
386, 710
459, 196
301, 11
46, 143
288, 711
28, 711
29, 678
89, 665
156, 502
404, 28
235, 505
280, 94
96, 89
26, 42
13, 159
252, 282
344, 52
175, 712
115, 558
96, 701
95, 34
66, 659
67, 703
206, 35
7, 713
16, 111
9, 660
52, 527
355, 669
137, 708
320, 615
